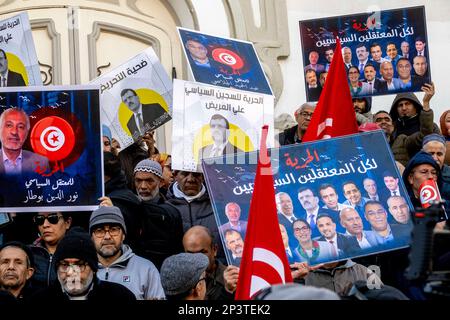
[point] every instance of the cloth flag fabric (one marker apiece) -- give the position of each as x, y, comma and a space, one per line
334, 115
264, 261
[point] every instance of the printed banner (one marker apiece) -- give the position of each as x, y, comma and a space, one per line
135, 97
211, 121
51, 154
385, 52
337, 199
224, 62
18, 60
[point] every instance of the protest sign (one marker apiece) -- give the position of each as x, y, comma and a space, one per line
210, 121
388, 50
17, 53
224, 62
51, 154
135, 97
321, 197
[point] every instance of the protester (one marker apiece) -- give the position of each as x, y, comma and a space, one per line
117, 262
52, 227
303, 116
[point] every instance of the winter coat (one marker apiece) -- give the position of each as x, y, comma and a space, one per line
137, 274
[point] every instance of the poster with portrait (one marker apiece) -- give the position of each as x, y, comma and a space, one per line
210, 121
385, 52
19, 65
224, 62
135, 97
50, 154
335, 199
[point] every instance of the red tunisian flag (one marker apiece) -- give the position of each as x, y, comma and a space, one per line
334, 115
264, 260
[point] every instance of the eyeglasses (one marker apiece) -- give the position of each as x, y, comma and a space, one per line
101, 232
52, 218
106, 143
64, 267
306, 114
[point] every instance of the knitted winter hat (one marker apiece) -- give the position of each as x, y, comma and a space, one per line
148, 165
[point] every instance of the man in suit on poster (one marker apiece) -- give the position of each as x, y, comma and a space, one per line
143, 116
9, 78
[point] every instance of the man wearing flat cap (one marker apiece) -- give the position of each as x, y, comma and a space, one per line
76, 266
117, 262
183, 276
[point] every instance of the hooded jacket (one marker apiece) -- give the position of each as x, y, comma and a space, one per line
137, 274
420, 158
407, 125
367, 115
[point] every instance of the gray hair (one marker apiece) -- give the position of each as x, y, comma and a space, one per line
8, 111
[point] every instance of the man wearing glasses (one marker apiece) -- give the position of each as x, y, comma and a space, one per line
118, 263
76, 264
303, 116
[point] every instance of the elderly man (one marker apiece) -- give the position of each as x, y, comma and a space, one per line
235, 244
352, 222
347, 56
16, 268
233, 213
145, 116
421, 70
198, 239
76, 266
342, 246
313, 65
303, 116
435, 145
399, 210
286, 215
160, 223
183, 276
387, 235
387, 76
117, 262
9, 78
14, 128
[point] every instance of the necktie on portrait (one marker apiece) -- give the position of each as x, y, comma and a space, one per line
311, 221
141, 122
3, 81
394, 193
361, 67
333, 249
370, 87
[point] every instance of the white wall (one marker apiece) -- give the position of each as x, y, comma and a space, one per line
438, 30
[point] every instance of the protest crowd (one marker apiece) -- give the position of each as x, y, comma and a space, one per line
155, 235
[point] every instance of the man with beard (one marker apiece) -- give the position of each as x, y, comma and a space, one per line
235, 244
16, 268
117, 262
76, 266
160, 224
220, 131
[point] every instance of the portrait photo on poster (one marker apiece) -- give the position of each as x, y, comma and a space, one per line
385, 52
336, 199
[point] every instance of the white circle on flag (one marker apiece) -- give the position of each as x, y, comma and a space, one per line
227, 58
52, 138
427, 194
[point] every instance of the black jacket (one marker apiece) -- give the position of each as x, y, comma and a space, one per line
102, 291
288, 136
44, 267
